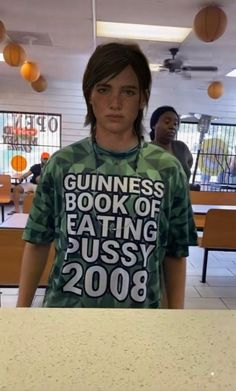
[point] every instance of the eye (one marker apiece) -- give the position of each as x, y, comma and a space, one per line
102, 90
129, 92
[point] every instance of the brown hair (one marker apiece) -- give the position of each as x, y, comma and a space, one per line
108, 61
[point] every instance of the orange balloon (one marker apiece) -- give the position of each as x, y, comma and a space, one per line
215, 90
210, 23
40, 84
19, 163
30, 71
14, 55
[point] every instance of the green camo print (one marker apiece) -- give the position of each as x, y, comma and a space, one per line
108, 281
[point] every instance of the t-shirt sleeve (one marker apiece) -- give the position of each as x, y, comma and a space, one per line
40, 228
178, 217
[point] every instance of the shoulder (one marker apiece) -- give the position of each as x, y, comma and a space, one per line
72, 152
159, 157
180, 145
83, 144
35, 167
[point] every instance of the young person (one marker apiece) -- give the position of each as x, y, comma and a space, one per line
164, 124
115, 206
31, 186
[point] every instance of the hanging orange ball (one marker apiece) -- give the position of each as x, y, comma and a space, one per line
2, 31
40, 84
14, 55
215, 90
210, 23
30, 71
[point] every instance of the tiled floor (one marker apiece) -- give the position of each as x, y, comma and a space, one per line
219, 292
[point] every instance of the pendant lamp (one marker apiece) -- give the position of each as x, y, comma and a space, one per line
40, 84
215, 90
13, 54
210, 23
30, 71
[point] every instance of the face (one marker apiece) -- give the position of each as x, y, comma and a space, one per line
116, 103
44, 161
166, 127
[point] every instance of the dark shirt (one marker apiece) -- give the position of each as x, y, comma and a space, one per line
183, 154
36, 171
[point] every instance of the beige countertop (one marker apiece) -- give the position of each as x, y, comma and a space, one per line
120, 350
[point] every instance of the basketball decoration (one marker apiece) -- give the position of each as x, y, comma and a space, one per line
211, 159
30, 71
18, 163
210, 23
40, 84
2, 31
13, 54
215, 90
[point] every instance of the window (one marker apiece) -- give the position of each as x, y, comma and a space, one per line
216, 167
24, 136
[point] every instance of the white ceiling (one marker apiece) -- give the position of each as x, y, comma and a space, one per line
65, 33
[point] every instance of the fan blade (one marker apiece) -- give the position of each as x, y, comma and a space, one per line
199, 68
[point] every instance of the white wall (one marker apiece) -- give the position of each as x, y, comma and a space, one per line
61, 98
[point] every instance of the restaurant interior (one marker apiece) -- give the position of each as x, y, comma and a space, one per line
195, 72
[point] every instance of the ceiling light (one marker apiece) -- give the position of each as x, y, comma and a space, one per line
154, 67
1, 57
142, 31
232, 73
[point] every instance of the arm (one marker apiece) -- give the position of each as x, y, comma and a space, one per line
24, 176
34, 260
174, 276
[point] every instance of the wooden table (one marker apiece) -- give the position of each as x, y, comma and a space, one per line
17, 220
203, 209
67, 349
11, 250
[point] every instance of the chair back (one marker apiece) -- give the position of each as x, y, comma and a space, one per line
5, 189
220, 229
27, 203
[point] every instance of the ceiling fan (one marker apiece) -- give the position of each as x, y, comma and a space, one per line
174, 65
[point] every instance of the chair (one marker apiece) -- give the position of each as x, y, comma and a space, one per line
219, 234
5, 192
28, 199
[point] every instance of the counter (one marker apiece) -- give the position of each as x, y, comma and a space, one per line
117, 350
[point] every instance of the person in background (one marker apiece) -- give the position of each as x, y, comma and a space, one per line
115, 206
31, 186
164, 124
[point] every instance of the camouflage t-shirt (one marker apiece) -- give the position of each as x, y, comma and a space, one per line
112, 217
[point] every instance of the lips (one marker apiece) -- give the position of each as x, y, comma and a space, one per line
114, 116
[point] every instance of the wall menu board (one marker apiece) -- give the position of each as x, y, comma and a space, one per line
24, 136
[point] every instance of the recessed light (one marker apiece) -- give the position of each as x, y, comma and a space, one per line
1, 57
232, 73
142, 32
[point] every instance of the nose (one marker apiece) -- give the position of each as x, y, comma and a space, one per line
174, 126
115, 101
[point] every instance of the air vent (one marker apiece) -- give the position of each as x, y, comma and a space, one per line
30, 38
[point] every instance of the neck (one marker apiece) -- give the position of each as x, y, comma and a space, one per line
167, 147
117, 142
